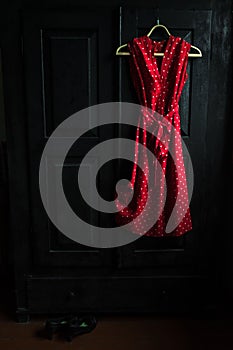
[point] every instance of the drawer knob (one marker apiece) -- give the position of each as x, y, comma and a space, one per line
72, 294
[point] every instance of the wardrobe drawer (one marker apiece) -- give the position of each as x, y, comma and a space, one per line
60, 294
115, 294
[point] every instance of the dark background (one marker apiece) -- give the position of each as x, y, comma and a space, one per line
198, 266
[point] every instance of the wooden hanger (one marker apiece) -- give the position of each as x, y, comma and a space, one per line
118, 53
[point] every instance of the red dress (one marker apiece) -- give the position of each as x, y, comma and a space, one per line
159, 88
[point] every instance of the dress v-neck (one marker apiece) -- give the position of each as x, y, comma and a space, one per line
154, 44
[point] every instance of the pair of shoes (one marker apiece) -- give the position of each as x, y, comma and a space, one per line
70, 326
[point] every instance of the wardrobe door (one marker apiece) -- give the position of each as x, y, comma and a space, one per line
68, 65
186, 254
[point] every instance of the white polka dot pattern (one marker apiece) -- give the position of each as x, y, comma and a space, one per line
159, 82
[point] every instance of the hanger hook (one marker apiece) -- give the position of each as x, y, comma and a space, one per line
157, 15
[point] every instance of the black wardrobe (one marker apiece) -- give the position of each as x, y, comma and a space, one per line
58, 58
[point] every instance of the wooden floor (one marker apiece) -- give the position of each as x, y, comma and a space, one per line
126, 333
160, 332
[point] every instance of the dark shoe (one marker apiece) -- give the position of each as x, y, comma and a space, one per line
54, 325
79, 325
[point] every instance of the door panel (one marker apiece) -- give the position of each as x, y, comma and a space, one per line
67, 57
70, 71
195, 27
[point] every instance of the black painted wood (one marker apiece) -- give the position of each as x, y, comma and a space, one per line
16, 152
68, 57
76, 295
39, 43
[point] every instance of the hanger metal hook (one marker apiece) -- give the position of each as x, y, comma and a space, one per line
157, 15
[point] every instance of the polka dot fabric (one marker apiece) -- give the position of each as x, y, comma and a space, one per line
158, 82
